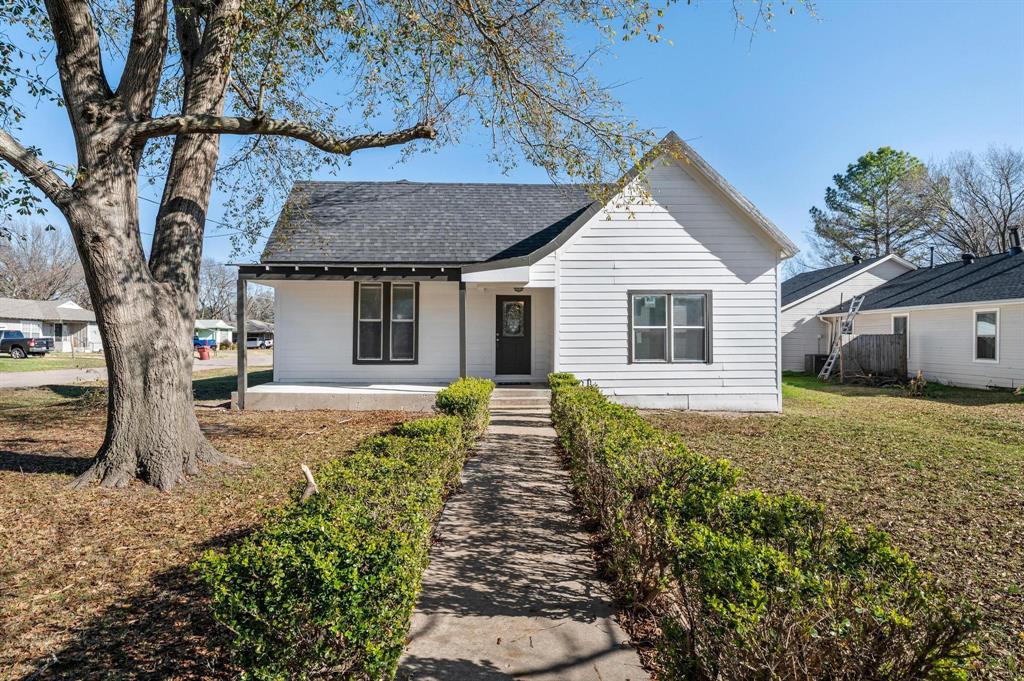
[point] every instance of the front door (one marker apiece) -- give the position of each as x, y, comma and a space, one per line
512, 335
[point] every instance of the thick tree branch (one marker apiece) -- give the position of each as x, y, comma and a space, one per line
141, 76
78, 55
235, 125
37, 171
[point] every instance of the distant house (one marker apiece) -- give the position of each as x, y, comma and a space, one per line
259, 331
807, 295
71, 326
963, 321
667, 295
216, 330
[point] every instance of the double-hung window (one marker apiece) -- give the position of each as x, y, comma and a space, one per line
986, 335
670, 326
386, 324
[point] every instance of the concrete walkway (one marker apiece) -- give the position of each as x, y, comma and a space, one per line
34, 379
511, 590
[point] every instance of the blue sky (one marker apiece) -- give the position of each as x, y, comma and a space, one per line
780, 114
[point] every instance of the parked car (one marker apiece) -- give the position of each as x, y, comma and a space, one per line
198, 342
18, 346
253, 343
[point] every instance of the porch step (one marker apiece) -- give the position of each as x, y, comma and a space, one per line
515, 402
500, 393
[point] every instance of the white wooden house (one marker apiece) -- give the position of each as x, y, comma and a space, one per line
963, 321
71, 326
808, 294
665, 296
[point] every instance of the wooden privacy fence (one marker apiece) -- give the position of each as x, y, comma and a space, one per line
875, 355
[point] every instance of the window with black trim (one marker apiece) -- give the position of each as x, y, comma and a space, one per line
386, 323
670, 326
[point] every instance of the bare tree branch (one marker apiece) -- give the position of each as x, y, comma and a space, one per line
35, 170
235, 125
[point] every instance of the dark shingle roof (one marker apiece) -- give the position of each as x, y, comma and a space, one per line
996, 277
420, 222
806, 283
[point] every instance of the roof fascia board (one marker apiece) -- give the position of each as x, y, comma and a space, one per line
889, 258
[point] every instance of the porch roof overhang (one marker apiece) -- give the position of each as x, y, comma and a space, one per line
348, 272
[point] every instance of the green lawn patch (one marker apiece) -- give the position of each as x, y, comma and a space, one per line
51, 361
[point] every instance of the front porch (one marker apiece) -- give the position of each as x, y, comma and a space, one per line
361, 337
341, 396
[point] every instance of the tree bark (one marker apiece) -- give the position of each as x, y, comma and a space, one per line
146, 324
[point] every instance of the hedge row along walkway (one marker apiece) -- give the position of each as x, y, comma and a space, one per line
511, 590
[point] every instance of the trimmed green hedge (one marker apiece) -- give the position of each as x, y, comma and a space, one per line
327, 587
754, 586
468, 398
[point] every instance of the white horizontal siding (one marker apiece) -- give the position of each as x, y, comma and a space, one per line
803, 333
689, 239
942, 344
313, 329
542, 272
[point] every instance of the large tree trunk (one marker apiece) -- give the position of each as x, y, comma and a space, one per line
146, 325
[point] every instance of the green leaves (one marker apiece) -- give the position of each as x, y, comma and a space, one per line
880, 205
758, 586
328, 586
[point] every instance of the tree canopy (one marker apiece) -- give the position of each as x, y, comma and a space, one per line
880, 205
310, 82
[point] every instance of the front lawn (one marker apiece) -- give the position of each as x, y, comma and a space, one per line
54, 360
944, 475
95, 584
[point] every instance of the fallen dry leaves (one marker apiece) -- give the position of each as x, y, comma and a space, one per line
96, 584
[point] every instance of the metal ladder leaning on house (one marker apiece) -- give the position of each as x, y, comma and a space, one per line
837, 345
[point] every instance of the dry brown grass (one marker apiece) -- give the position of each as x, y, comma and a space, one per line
96, 584
944, 475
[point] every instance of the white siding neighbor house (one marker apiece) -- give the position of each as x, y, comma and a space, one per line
666, 296
963, 321
807, 295
216, 331
71, 326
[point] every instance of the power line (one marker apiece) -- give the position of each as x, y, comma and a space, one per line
205, 236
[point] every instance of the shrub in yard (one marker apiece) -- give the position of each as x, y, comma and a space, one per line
327, 587
467, 398
753, 586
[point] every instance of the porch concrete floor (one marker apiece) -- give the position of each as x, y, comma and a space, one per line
344, 396
511, 591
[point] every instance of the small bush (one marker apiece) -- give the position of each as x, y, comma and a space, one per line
467, 398
327, 587
753, 586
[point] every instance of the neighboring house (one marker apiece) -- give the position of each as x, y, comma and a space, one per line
964, 321
259, 331
666, 299
216, 330
71, 326
806, 295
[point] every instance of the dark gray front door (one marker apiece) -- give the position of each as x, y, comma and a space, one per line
512, 335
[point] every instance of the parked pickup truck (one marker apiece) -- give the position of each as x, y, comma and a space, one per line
18, 346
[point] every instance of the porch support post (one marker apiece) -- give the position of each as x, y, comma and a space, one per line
241, 337
462, 329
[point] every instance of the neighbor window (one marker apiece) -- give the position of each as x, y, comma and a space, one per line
386, 324
986, 335
669, 326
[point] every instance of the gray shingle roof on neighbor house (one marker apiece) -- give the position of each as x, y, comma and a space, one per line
806, 283
995, 277
420, 223
43, 310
